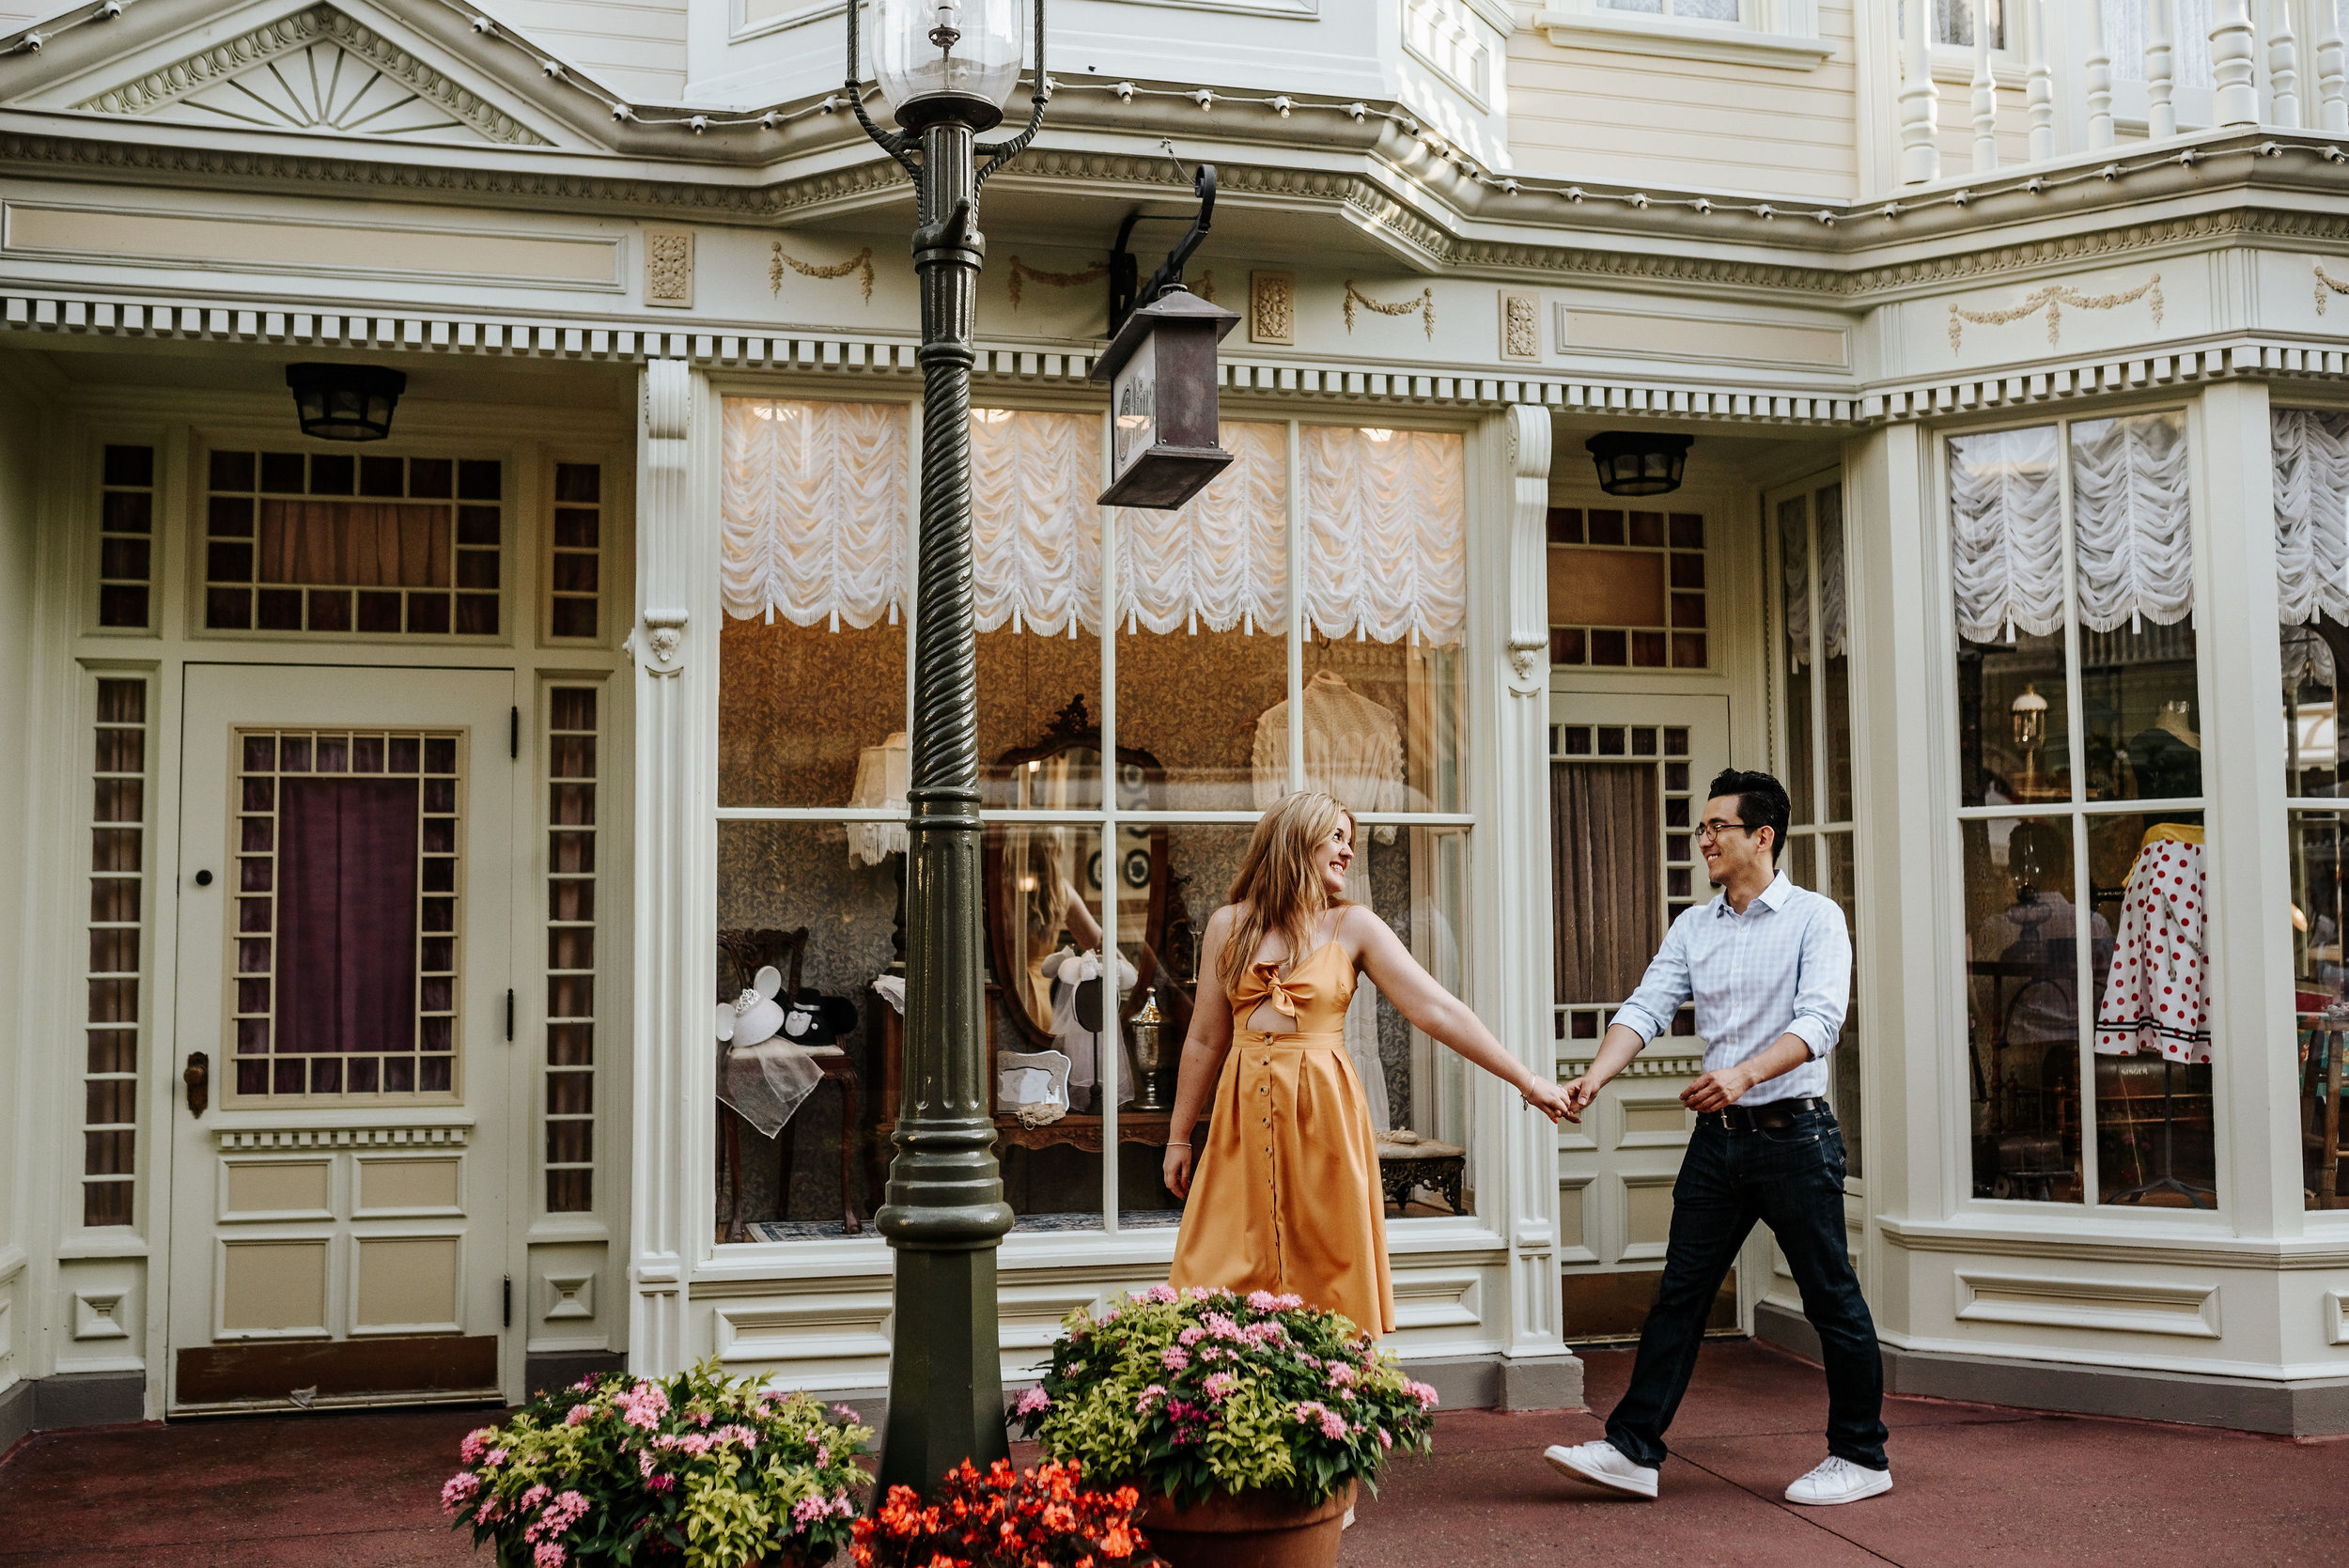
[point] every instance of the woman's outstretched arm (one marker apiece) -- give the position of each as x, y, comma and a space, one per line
1204, 1047
1438, 1012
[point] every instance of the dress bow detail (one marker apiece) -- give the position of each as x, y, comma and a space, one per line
1276, 989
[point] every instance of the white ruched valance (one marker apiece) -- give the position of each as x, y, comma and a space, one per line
812, 511
1795, 569
1222, 560
2132, 516
1038, 545
818, 526
2311, 458
1386, 534
2006, 532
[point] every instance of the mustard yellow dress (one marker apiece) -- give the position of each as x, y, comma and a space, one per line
1284, 1193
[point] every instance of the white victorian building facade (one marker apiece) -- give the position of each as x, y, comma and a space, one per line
393, 818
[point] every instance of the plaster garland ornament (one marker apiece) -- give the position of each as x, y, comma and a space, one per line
1021, 270
2326, 285
861, 263
1421, 304
2052, 299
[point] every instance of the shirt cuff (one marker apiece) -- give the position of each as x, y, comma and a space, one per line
1639, 1021
1814, 1033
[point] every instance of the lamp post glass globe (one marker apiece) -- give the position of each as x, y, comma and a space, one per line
946, 58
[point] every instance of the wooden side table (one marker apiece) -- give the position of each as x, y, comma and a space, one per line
1440, 1167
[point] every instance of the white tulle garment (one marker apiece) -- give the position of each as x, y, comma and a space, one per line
2311, 459
812, 511
1795, 572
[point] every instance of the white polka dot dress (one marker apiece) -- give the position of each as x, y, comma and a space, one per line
2157, 998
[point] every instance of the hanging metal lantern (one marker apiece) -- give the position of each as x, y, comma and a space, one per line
1638, 463
344, 402
1160, 368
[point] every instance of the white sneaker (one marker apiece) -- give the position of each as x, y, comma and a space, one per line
1602, 1464
1836, 1481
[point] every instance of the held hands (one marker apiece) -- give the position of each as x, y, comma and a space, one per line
1717, 1089
1579, 1096
1178, 1170
1548, 1098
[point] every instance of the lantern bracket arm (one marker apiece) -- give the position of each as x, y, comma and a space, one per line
899, 147
1125, 295
1003, 153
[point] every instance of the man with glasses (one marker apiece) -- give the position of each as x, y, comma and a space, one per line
1769, 964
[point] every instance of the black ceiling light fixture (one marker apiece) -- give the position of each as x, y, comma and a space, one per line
346, 402
1638, 463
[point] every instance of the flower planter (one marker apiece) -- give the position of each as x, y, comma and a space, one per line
1250, 1529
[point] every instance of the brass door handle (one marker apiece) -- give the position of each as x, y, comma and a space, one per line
198, 1077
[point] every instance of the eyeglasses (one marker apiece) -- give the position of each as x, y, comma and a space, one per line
1708, 832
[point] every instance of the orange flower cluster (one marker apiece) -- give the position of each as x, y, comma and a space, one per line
1006, 1519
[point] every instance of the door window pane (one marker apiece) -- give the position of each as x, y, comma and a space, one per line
346, 930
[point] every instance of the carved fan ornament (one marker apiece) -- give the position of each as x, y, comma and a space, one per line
315, 70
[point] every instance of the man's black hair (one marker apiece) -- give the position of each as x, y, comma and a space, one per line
1762, 802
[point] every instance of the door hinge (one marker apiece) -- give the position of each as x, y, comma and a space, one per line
509, 1015
514, 736
507, 1297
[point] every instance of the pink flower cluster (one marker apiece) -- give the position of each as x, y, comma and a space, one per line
1175, 1358
1421, 1391
561, 1514
1313, 1412
549, 1554
644, 1405
1220, 1386
458, 1491
808, 1511
586, 1384
477, 1443
1156, 1390
1265, 1301
1034, 1400
1163, 1295
700, 1443
578, 1413
1221, 1326
1341, 1376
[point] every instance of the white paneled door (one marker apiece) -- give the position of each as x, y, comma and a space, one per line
1627, 780
341, 1138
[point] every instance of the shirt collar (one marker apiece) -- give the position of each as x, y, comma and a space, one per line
1771, 897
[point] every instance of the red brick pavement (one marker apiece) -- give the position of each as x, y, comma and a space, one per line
1974, 1484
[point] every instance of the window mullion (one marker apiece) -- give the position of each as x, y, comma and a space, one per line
2075, 740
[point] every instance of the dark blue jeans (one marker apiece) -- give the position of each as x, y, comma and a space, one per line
1792, 1180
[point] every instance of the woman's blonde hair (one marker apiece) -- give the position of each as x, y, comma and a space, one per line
1277, 888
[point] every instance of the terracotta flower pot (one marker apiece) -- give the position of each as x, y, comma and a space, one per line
1248, 1530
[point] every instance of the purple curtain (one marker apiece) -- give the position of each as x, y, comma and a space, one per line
1606, 878
347, 915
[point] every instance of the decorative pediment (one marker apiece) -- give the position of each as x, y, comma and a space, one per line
317, 69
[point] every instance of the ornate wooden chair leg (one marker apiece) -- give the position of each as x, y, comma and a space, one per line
734, 1176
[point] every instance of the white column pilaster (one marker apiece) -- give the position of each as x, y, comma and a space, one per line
2250, 875
675, 647
1520, 1148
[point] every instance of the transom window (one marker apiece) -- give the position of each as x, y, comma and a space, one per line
344, 957
336, 543
1627, 589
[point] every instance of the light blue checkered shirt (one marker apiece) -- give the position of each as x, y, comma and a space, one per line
1782, 967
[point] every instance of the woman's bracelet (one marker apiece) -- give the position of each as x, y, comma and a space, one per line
1179, 1143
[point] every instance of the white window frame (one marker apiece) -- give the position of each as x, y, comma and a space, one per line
1778, 34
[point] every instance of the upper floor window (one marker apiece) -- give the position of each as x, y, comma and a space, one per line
1694, 10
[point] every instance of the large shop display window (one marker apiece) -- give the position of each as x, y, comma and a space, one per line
2080, 768
1814, 743
1300, 623
2311, 454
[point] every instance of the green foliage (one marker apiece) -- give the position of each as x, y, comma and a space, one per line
699, 1469
1210, 1391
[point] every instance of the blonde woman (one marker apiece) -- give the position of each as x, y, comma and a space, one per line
1286, 1197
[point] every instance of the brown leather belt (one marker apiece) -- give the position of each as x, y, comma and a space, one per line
1775, 1115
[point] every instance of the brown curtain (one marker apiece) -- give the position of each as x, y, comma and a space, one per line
1606, 878
347, 915
354, 544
